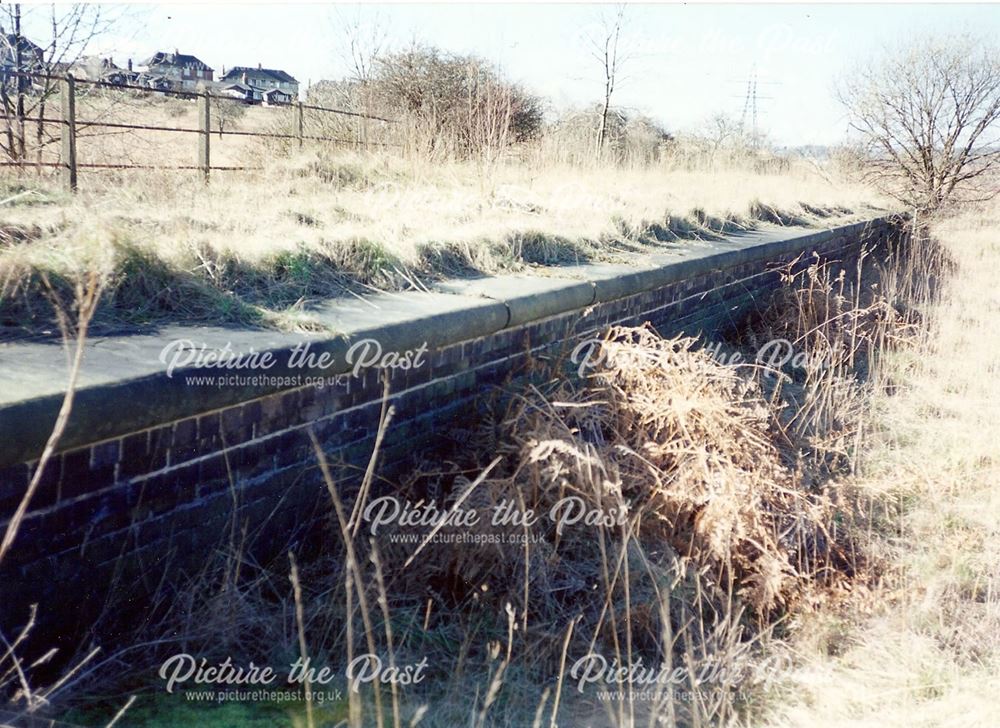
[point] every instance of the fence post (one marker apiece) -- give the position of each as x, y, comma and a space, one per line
301, 122
205, 124
67, 101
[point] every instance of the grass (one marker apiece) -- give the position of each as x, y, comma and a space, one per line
920, 647
755, 510
257, 247
732, 526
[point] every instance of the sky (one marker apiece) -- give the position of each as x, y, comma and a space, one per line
684, 63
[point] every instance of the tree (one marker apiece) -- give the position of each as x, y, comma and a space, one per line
70, 29
604, 47
364, 43
227, 112
928, 118
463, 103
724, 130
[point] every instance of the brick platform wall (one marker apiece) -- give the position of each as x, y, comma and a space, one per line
145, 511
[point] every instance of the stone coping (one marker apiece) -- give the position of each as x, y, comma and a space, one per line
126, 383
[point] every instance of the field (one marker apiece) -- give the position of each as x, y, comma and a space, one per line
257, 246
919, 647
834, 536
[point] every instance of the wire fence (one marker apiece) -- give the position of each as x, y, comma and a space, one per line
69, 125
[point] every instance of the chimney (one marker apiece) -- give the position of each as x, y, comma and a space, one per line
258, 66
129, 64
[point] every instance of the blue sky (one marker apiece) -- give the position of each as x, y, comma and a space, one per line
687, 61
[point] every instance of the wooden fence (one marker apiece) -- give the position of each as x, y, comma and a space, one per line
70, 165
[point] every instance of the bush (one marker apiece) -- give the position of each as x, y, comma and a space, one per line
448, 104
630, 138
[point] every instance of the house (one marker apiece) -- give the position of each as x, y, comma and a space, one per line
154, 82
184, 72
263, 79
105, 69
237, 91
32, 59
276, 97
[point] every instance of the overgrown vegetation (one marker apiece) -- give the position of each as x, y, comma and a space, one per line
260, 249
726, 507
928, 115
470, 175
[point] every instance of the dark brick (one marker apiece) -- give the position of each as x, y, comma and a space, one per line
160, 441
74, 517
78, 478
270, 413
135, 447
290, 405
325, 430
250, 460
13, 484
158, 495
135, 455
211, 470
252, 414
14, 477
47, 493
184, 454
105, 454
209, 434
184, 481
185, 433
37, 537
232, 423
292, 448
111, 511
102, 550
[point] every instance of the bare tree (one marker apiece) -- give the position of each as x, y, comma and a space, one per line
364, 44
27, 82
928, 118
604, 43
227, 112
724, 130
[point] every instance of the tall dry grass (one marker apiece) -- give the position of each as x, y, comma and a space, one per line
736, 512
731, 513
256, 247
920, 648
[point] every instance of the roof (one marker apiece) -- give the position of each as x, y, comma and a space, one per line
162, 58
150, 78
93, 65
9, 44
270, 73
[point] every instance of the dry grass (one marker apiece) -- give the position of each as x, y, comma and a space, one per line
730, 526
922, 648
258, 246
716, 536
731, 522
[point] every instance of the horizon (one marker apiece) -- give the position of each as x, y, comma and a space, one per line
703, 54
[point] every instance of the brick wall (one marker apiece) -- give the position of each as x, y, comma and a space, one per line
140, 513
